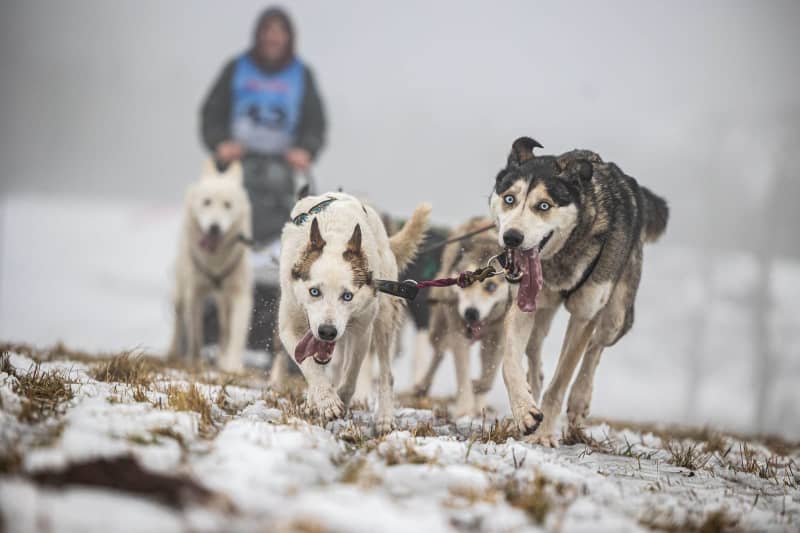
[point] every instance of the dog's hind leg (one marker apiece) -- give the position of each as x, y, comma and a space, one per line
193, 318
279, 371
579, 331
423, 386
383, 343
224, 321
356, 350
517, 330
363, 393
580, 395
541, 327
176, 349
241, 307
613, 322
437, 335
465, 399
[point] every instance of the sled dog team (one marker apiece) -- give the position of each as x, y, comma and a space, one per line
570, 227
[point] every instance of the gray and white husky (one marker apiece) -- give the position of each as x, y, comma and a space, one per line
460, 318
576, 227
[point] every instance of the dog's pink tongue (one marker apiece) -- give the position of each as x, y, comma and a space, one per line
210, 242
475, 330
532, 281
309, 346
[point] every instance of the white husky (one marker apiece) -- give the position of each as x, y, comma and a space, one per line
213, 261
332, 250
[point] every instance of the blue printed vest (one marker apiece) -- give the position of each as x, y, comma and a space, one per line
266, 107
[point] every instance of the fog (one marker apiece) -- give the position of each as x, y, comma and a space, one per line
699, 101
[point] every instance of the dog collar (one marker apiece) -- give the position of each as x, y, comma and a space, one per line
302, 218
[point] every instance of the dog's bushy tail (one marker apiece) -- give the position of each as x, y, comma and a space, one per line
405, 243
655, 214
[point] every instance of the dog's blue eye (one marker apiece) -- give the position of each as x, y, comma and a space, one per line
315, 292
509, 199
543, 206
490, 287
300, 219
347, 296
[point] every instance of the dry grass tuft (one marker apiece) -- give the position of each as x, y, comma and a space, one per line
718, 521
409, 455
133, 369
685, 454
10, 459
41, 392
424, 429
575, 435
498, 431
191, 399
714, 440
536, 499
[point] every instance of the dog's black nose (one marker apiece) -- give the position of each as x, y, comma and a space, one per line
327, 332
472, 314
513, 238
214, 229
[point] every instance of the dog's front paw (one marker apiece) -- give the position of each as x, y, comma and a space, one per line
232, 364
384, 423
325, 403
421, 390
578, 408
465, 406
548, 439
527, 416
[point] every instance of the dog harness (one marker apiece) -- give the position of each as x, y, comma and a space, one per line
217, 279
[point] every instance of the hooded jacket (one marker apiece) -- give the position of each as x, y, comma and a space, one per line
217, 114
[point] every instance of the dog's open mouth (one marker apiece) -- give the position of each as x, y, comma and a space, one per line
475, 330
210, 241
527, 271
310, 346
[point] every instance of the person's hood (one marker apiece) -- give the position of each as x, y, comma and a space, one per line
269, 14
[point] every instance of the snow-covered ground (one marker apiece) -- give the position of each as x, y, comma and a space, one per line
255, 462
96, 274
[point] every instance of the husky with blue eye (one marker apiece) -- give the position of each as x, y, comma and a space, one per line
331, 251
575, 227
460, 318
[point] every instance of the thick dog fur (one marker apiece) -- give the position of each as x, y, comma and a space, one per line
335, 251
461, 317
597, 219
212, 261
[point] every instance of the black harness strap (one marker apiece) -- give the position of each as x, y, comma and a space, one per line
586, 274
217, 279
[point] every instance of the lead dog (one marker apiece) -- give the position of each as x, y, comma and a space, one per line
332, 250
214, 262
576, 227
462, 317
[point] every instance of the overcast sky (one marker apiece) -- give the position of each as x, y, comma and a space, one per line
424, 98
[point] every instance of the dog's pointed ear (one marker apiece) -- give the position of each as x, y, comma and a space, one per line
522, 150
316, 241
577, 169
354, 244
303, 192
